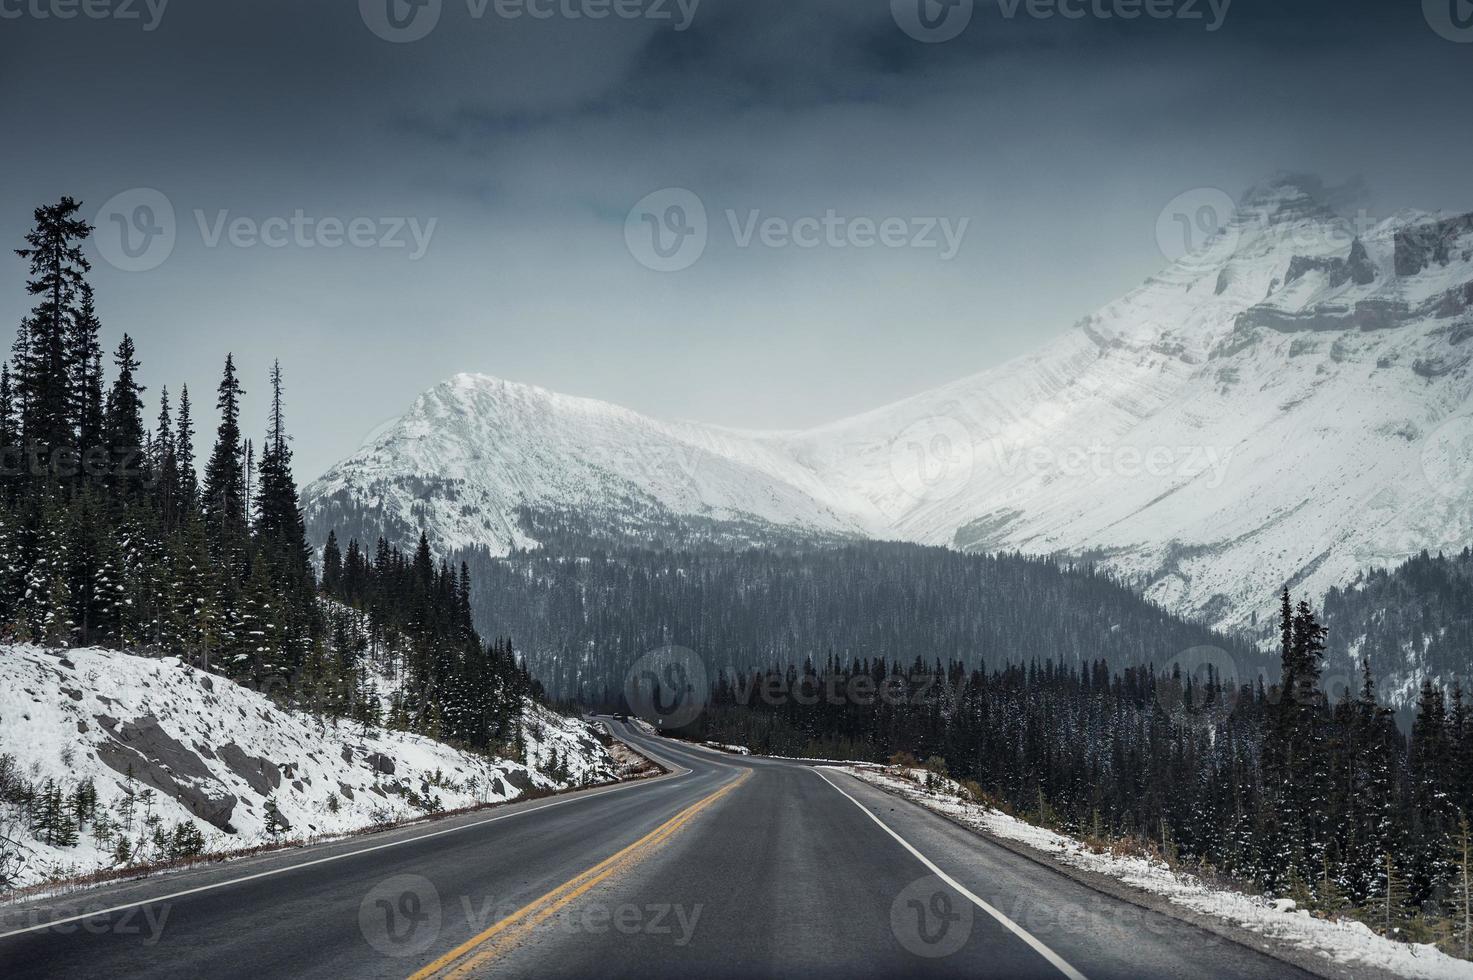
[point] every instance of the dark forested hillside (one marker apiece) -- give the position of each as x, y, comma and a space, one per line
1410, 622
114, 532
581, 622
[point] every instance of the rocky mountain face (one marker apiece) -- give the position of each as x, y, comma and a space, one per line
1288, 404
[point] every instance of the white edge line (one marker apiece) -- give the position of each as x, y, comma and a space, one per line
334, 857
1054, 958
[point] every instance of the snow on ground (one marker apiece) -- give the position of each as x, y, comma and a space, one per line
1343, 941
208, 754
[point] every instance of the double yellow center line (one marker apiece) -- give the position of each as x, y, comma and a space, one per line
476, 951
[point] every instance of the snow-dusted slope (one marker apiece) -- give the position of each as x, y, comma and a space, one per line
1265, 411
1290, 404
208, 754
473, 449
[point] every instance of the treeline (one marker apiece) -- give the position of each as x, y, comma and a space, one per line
63, 815
1273, 785
453, 686
582, 622
109, 535
1420, 612
113, 534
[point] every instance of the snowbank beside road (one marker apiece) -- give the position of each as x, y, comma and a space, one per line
1345, 942
105, 754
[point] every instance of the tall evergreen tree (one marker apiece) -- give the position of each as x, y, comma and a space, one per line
188, 490
165, 464
43, 366
224, 500
84, 356
123, 425
332, 565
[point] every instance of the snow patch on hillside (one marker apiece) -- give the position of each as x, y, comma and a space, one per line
1345, 942
208, 754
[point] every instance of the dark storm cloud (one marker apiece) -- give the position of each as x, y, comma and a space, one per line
526, 141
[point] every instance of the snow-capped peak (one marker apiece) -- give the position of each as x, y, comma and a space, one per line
1287, 404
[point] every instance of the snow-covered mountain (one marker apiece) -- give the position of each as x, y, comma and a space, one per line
1288, 404
474, 449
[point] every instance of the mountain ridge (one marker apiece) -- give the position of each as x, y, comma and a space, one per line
1177, 435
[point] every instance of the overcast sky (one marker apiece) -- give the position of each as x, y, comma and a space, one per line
517, 147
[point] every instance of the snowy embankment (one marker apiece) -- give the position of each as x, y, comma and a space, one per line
109, 760
1348, 943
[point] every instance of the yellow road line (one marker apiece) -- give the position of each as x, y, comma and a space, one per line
485, 946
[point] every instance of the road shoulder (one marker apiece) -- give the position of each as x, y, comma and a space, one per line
1299, 958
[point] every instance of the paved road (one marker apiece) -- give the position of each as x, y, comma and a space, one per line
731, 867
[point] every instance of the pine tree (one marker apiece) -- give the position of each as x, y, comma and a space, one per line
276, 823
224, 488
1429, 872
188, 490
165, 465
1462, 849
332, 565
280, 534
43, 368
123, 424
84, 355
